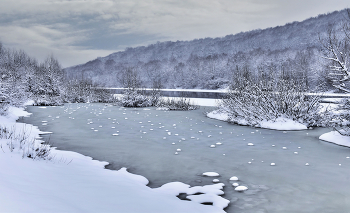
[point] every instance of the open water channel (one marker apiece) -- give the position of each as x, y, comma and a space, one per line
145, 141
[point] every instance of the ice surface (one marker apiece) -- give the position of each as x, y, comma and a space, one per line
72, 182
160, 165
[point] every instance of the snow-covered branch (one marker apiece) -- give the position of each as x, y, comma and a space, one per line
269, 101
336, 50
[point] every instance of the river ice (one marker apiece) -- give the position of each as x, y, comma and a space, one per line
71, 182
289, 186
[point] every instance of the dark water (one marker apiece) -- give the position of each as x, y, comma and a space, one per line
145, 147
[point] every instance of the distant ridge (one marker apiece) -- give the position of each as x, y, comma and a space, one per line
208, 62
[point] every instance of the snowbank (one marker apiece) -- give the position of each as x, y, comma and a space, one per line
218, 115
71, 182
336, 138
280, 123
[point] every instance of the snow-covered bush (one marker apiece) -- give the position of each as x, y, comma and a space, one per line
47, 100
4, 103
267, 101
180, 103
339, 118
139, 98
19, 141
337, 52
84, 91
135, 98
155, 96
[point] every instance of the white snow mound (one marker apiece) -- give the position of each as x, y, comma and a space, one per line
211, 174
336, 138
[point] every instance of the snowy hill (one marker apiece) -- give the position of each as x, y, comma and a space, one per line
211, 63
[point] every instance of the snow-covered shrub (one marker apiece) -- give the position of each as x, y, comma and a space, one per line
339, 118
85, 91
267, 101
135, 98
19, 141
47, 100
180, 103
336, 51
155, 96
4, 103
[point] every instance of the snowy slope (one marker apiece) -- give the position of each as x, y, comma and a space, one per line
209, 62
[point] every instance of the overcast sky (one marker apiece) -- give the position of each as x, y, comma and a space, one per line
76, 31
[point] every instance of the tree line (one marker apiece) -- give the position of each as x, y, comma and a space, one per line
23, 78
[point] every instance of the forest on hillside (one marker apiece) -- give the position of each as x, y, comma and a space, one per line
292, 51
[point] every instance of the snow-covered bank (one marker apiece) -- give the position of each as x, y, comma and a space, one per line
336, 138
201, 101
196, 101
71, 182
177, 90
278, 124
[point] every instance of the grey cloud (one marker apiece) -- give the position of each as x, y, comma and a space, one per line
84, 26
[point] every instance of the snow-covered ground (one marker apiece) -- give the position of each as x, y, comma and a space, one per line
201, 101
71, 182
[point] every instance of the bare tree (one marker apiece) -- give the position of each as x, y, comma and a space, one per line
336, 49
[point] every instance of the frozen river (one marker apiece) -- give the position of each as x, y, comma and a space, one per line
145, 141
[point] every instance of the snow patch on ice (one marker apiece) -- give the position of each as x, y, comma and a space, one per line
336, 138
234, 178
241, 188
282, 124
218, 115
211, 174
210, 193
162, 108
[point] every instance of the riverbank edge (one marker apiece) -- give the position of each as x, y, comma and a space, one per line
22, 177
